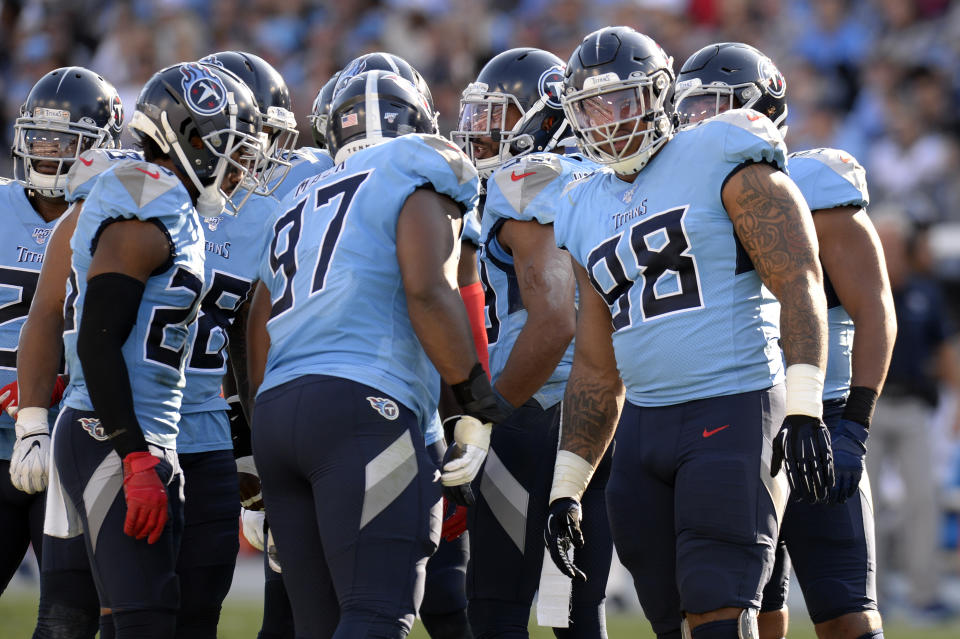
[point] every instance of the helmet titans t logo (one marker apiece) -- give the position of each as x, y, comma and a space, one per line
204, 91
551, 86
776, 84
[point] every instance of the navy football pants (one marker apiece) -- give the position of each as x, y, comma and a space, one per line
693, 509
352, 502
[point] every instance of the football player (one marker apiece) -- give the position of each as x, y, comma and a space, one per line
371, 243
530, 291
831, 545
67, 111
676, 244
287, 166
134, 287
443, 611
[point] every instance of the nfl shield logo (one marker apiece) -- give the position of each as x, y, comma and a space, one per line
213, 222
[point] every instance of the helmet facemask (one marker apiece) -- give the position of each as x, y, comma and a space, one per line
279, 140
47, 143
621, 123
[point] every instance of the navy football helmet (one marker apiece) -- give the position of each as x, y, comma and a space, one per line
730, 75
380, 61
373, 107
618, 98
208, 122
68, 111
273, 98
531, 80
320, 112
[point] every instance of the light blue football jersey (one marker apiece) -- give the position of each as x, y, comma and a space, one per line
155, 350
233, 247
829, 178
25, 236
338, 304
691, 317
526, 189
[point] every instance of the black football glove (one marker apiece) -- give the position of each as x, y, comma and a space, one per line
802, 448
562, 533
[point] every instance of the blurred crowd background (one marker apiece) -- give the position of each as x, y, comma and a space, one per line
877, 78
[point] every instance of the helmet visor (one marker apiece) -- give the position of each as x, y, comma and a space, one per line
696, 107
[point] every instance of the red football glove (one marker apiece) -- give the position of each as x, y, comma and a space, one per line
10, 395
146, 497
454, 525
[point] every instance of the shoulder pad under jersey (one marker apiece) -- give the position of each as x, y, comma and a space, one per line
829, 178
89, 165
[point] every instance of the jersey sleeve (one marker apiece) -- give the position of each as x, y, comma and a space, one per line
829, 178
751, 137
471, 227
433, 160
137, 190
527, 190
90, 164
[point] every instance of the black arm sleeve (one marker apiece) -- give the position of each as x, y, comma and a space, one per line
109, 313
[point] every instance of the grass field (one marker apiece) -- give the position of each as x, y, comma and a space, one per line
241, 620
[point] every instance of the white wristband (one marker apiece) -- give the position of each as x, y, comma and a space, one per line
31, 420
571, 476
805, 390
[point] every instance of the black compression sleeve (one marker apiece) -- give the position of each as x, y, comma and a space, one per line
109, 313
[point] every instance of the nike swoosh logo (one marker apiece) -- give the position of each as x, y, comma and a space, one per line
155, 174
86, 162
753, 118
845, 159
708, 433
515, 177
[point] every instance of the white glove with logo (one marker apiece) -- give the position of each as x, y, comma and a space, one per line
31, 452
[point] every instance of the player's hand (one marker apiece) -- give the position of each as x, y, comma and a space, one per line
251, 496
146, 497
10, 395
454, 524
802, 448
254, 527
464, 457
31, 452
849, 442
562, 534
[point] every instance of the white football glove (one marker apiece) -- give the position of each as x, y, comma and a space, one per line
253, 521
31, 452
469, 449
